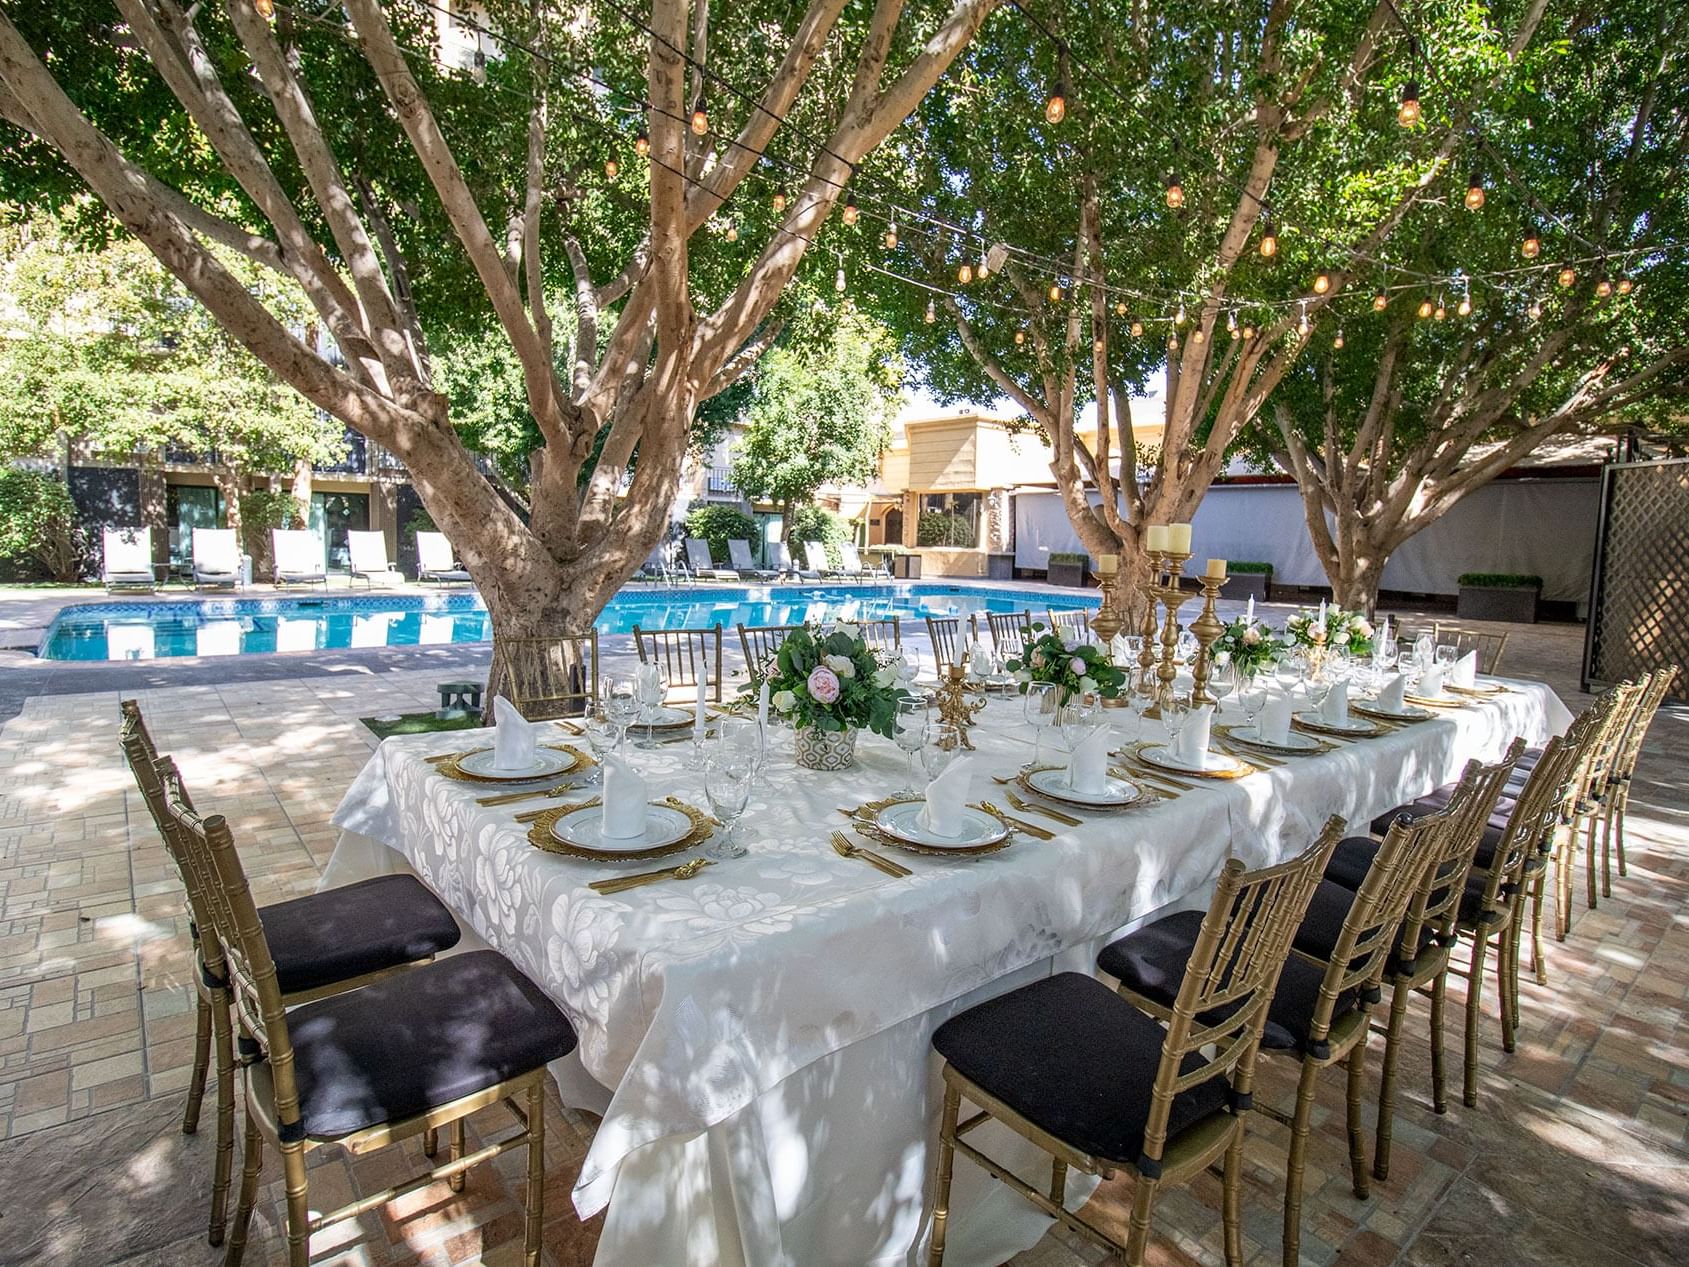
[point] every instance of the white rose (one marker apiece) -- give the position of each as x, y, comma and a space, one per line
848, 629
840, 664
885, 677
1087, 684
784, 701
1251, 636
1222, 658
1364, 628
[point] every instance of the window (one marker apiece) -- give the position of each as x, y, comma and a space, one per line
949, 519
332, 514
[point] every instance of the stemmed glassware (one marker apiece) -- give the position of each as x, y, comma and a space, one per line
730, 768
1252, 696
909, 732
1289, 670
621, 706
653, 687
1318, 684
1080, 718
602, 736
1175, 709
1447, 654
1222, 683
1141, 689
1040, 708
939, 749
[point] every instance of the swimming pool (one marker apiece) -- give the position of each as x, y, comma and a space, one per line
259, 626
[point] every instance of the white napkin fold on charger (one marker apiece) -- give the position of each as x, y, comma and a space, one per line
625, 800
1465, 671
1274, 726
1119, 653
979, 660
1087, 767
1391, 698
1193, 739
947, 797
1336, 707
514, 742
1431, 682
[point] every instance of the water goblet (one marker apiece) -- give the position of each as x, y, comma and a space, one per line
909, 733
939, 749
1080, 718
602, 735
1141, 690
1447, 654
621, 706
653, 690
1318, 686
1039, 705
1222, 684
1175, 709
729, 773
1252, 696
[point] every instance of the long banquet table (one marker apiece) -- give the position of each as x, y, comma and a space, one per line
757, 1039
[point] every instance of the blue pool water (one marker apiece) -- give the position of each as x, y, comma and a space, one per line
257, 626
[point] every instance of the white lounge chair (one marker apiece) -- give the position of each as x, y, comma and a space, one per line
299, 557
853, 565
216, 557
816, 554
127, 561
703, 565
783, 561
739, 554
369, 557
435, 561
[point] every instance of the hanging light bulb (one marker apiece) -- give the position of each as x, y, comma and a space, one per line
266, 9
1534, 311
1424, 308
1172, 343
1269, 239
1248, 332
1020, 337
1179, 317
1338, 341
891, 236
700, 118
984, 269
1567, 276
1603, 288
1380, 302
1322, 283
965, 274
1137, 329
1531, 247
611, 167
1474, 193
1440, 313
1120, 308
1626, 285
641, 143
839, 281
778, 201
1407, 114
1231, 323
1055, 109
1175, 193
731, 232
851, 214
1465, 309
1302, 321
1055, 292
1197, 336
1097, 344
932, 314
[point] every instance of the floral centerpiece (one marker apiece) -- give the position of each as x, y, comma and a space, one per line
1249, 646
1330, 629
1073, 667
829, 684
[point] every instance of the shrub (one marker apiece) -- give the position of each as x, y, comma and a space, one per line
1249, 569
718, 525
816, 523
1499, 580
420, 521
37, 522
260, 510
1069, 558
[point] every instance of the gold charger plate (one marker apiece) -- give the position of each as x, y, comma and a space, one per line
1401, 718
1231, 733
451, 768
1242, 770
1314, 725
1425, 701
1479, 692
1145, 795
863, 816
540, 835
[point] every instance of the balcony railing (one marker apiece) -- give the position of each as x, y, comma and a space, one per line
720, 480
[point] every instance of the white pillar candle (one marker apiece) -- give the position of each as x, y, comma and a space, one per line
1322, 611
698, 711
1179, 538
1216, 570
1249, 615
762, 706
1158, 537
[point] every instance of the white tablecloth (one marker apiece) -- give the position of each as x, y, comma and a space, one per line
757, 1038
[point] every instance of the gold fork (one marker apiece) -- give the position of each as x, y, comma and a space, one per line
616, 884
534, 815
1019, 824
1032, 807
510, 798
846, 848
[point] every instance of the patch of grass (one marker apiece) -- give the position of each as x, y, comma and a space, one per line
418, 724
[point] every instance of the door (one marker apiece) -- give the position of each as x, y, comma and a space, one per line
332, 516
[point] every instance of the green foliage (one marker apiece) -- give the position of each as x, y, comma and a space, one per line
1048, 658
1069, 559
1249, 568
37, 518
940, 528
832, 680
263, 509
817, 523
420, 521
720, 524
1499, 580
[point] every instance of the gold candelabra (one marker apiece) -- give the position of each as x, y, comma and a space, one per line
958, 701
1172, 597
1110, 618
1206, 628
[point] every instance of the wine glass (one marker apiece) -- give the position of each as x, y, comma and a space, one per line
653, 687
1080, 718
1222, 684
1188, 646
1447, 654
909, 733
1141, 689
730, 770
621, 706
1175, 709
1252, 696
1318, 684
1289, 670
939, 749
1040, 708
602, 736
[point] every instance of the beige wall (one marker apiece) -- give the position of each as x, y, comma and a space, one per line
944, 457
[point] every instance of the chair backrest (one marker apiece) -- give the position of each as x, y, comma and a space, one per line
1602, 751
685, 654
698, 555
1530, 826
1230, 977
1648, 701
368, 551
781, 555
1435, 906
128, 550
816, 553
550, 677
739, 554
884, 633
214, 550
761, 643
297, 551
1072, 624
434, 552
849, 557
1489, 644
1008, 630
945, 632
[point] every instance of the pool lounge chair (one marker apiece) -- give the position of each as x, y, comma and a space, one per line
816, 554
435, 560
783, 561
703, 565
216, 557
299, 557
657, 567
128, 559
853, 565
739, 553
369, 558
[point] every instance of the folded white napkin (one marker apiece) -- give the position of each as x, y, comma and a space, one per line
1390, 699
1274, 726
1431, 682
1465, 671
947, 797
625, 800
980, 660
1087, 768
514, 741
1336, 706
1424, 650
1193, 739
1119, 653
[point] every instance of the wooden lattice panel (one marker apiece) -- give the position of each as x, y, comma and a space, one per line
1641, 615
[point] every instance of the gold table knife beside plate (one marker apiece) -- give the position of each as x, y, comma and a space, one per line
1019, 824
843, 846
616, 884
1030, 807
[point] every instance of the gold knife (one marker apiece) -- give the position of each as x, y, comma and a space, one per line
1032, 807
534, 815
1132, 770
845, 848
510, 798
1019, 824
616, 884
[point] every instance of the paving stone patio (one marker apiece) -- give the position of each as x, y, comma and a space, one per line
1577, 1153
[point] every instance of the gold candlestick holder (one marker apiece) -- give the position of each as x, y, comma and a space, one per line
1109, 619
957, 703
1172, 597
1206, 628
1146, 640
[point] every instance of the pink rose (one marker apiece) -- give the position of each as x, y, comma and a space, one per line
823, 684
1076, 666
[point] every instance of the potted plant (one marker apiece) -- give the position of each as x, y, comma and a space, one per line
1498, 596
1245, 580
829, 685
1048, 657
1066, 569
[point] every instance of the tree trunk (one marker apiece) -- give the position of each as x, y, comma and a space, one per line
302, 490
1356, 578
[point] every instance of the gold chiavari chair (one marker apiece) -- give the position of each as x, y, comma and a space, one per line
399, 1057
324, 943
1008, 630
884, 633
1624, 768
551, 677
1072, 624
946, 635
1076, 1069
1428, 933
685, 654
1488, 643
1591, 798
761, 643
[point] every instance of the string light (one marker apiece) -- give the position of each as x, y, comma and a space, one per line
1531, 247
1175, 193
1197, 336
1322, 283
1465, 308
1424, 308
611, 167
1474, 193
778, 201
1568, 275
1380, 302
700, 118
641, 143
1441, 313
1302, 320
1179, 317
1269, 239
266, 9
839, 281
984, 269
1603, 287
1055, 109
891, 236
1137, 329
731, 232
1020, 337
1338, 341
1097, 344
1625, 285
1535, 310
1407, 114
1172, 343
1120, 307
1248, 332
1055, 292
851, 214
965, 274
932, 313
1231, 324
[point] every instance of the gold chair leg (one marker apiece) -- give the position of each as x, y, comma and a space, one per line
1507, 984
1058, 1180
1589, 855
202, 1065
298, 1206
431, 1142
1607, 843
536, 1174
1231, 1194
455, 1133
1474, 1013
223, 1039
1357, 1136
946, 1164
1137, 1231
252, 1159
1621, 810
1539, 962
1439, 995
1296, 1164
1387, 1082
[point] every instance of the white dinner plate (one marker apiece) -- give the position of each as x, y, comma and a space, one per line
901, 820
1212, 762
1053, 783
1481, 688
546, 762
1408, 712
666, 717
1293, 742
664, 825
1348, 726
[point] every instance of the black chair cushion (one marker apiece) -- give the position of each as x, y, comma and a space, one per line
1437, 801
1151, 960
1292, 1010
1321, 926
343, 933
1076, 1060
1350, 862
420, 1039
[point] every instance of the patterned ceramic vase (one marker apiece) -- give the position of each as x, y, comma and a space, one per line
826, 749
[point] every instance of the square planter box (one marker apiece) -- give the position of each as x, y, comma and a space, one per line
1494, 602
1066, 574
906, 567
1000, 567
1244, 586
